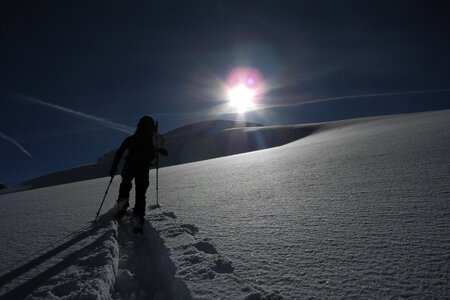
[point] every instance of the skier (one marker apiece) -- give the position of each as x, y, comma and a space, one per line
141, 151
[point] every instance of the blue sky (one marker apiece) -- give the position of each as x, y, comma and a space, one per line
119, 60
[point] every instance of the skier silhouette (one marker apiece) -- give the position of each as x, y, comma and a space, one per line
142, 147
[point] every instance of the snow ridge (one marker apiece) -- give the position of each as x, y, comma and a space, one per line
86, 273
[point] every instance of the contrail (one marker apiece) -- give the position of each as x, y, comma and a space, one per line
319, 100
101, 121
10, 139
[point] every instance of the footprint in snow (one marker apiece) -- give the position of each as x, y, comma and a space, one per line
223, 265
169, 214
206, 247
190, 228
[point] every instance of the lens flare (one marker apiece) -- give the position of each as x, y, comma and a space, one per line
244, 88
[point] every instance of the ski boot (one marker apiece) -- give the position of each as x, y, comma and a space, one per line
122, 204
138, 223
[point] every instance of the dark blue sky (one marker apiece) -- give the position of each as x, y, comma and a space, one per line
119, 60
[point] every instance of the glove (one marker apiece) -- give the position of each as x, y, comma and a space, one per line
112, 172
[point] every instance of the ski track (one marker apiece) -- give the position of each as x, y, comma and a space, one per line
170, 261
144, 270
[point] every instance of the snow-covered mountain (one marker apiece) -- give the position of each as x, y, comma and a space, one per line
193, 142
354, 209
188, 137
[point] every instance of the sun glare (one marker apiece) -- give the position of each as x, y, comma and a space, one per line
241, 97
244, 88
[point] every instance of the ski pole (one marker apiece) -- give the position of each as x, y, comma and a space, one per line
157, 168
104, 197
157, 189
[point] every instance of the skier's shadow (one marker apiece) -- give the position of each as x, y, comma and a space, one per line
29, 286
154, 271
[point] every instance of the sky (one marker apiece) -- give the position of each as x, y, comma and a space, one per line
76, 76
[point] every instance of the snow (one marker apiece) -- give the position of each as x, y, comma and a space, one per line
358, 208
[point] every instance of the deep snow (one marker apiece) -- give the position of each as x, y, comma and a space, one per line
357, 209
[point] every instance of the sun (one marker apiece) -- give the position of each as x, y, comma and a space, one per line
241, 98
244, 89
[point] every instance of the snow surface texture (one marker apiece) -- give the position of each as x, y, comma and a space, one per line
357, 209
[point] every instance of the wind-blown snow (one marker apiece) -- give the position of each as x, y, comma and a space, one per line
356, 209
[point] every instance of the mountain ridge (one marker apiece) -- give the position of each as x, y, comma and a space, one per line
202, 141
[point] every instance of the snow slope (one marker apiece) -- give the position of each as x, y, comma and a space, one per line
357, 209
